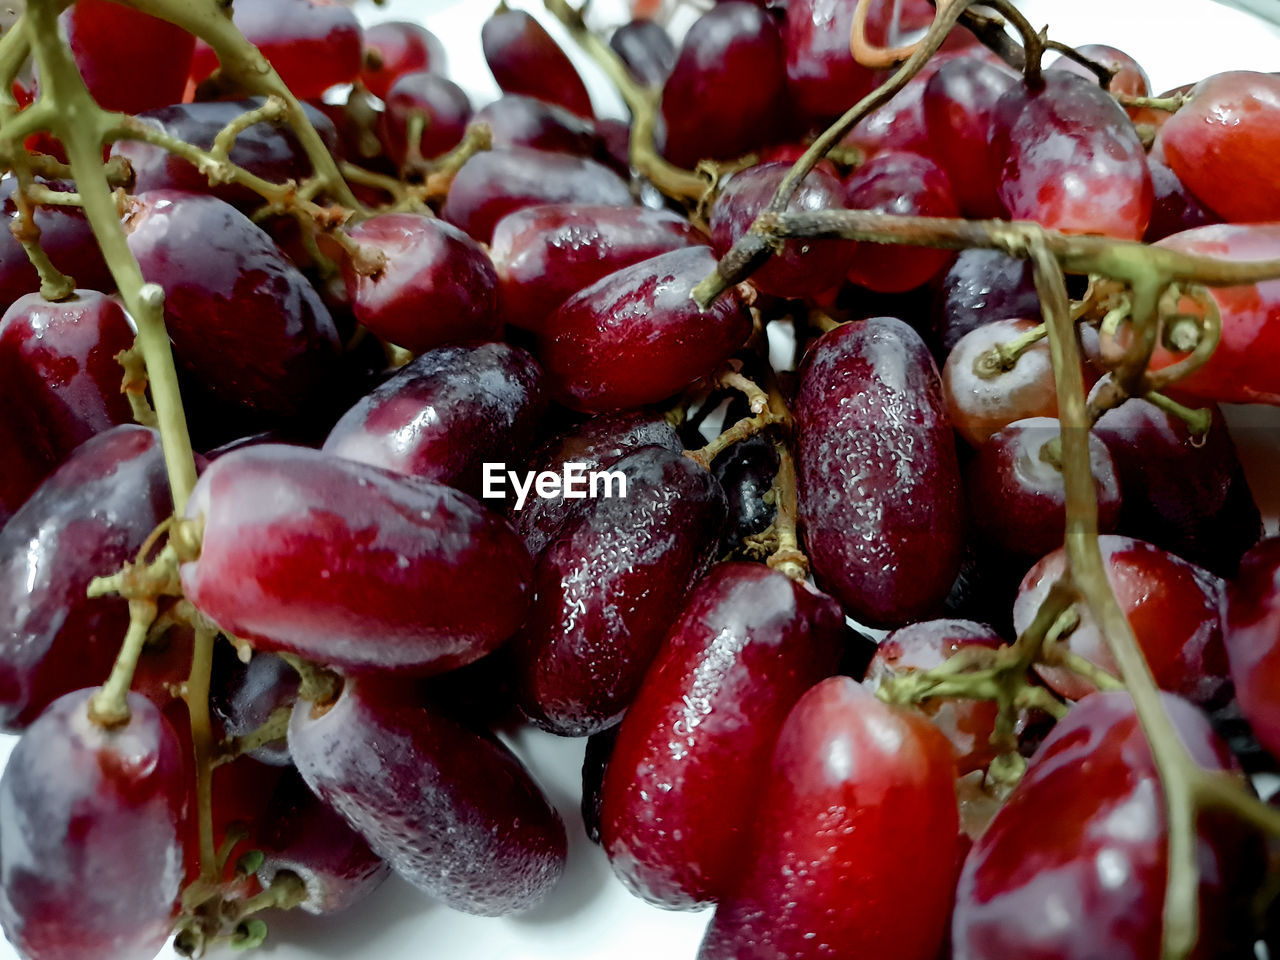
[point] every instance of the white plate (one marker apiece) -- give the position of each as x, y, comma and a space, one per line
590, 915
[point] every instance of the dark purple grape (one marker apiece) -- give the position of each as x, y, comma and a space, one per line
1017, 497
613, 145
544, 255
637, 337
243, 697
91, 833
438, 286
268, 150
608, 588
246, 326
647, 50
349, 564
524, 59
300, 835
746, 471
981, 287
959, 100
450, 809
65, 236
594, 763
802, 267
87, 519
1185, 493
599, 442
495, 183
726, 94
444, 106
447, 413
1252, 628
1174, 208
59, 383
519, 121
879, 484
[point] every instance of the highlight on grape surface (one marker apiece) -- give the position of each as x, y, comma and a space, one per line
838, 453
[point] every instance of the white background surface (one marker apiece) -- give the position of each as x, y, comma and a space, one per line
590, 915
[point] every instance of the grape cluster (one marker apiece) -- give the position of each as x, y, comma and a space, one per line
279, 299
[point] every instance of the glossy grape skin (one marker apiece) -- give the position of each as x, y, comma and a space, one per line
849, 772
959, 101
452, 810
1072, 159
879, 485
803, 267
906, 184
247, 326
445, 414
726, 93
608, 588
446, 111
979, 407
967, 724
495, 183
59, 383
1173, 209
1251, 629
267, 150
130, 61
982, 286
746, 472
301, 835
525, 59
396, 47
1018, 500
1227, 136
1174, 607
900, 124
65, 236
1184, 493
544, 255
823, 79
347, 564
437, 286
90, 828
89, 517
1129, 77
515, 120
646, 49
1093, 885
243, 696
636, 337
677, 803
313, 46
1243, 367
599, 442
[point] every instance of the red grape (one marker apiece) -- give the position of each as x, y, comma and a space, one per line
546, 254
347, 564
302, 836
1128, 76
515, 120
646, 49
1174, 607
980, 406
445, 414
822, 77
726, 93
1174, 209
1224, 143
801, 267
968, 724
436, 287
609, 586
906, 184
91, 829
853, 851
636, 337
445, 109
396, 47
879, 485
495, 183
677, 802
450, 809
313, 45
1093, 884
1072, 160
959, 101
130, 61
87, 519
1252, 629
900, 124
524, 59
